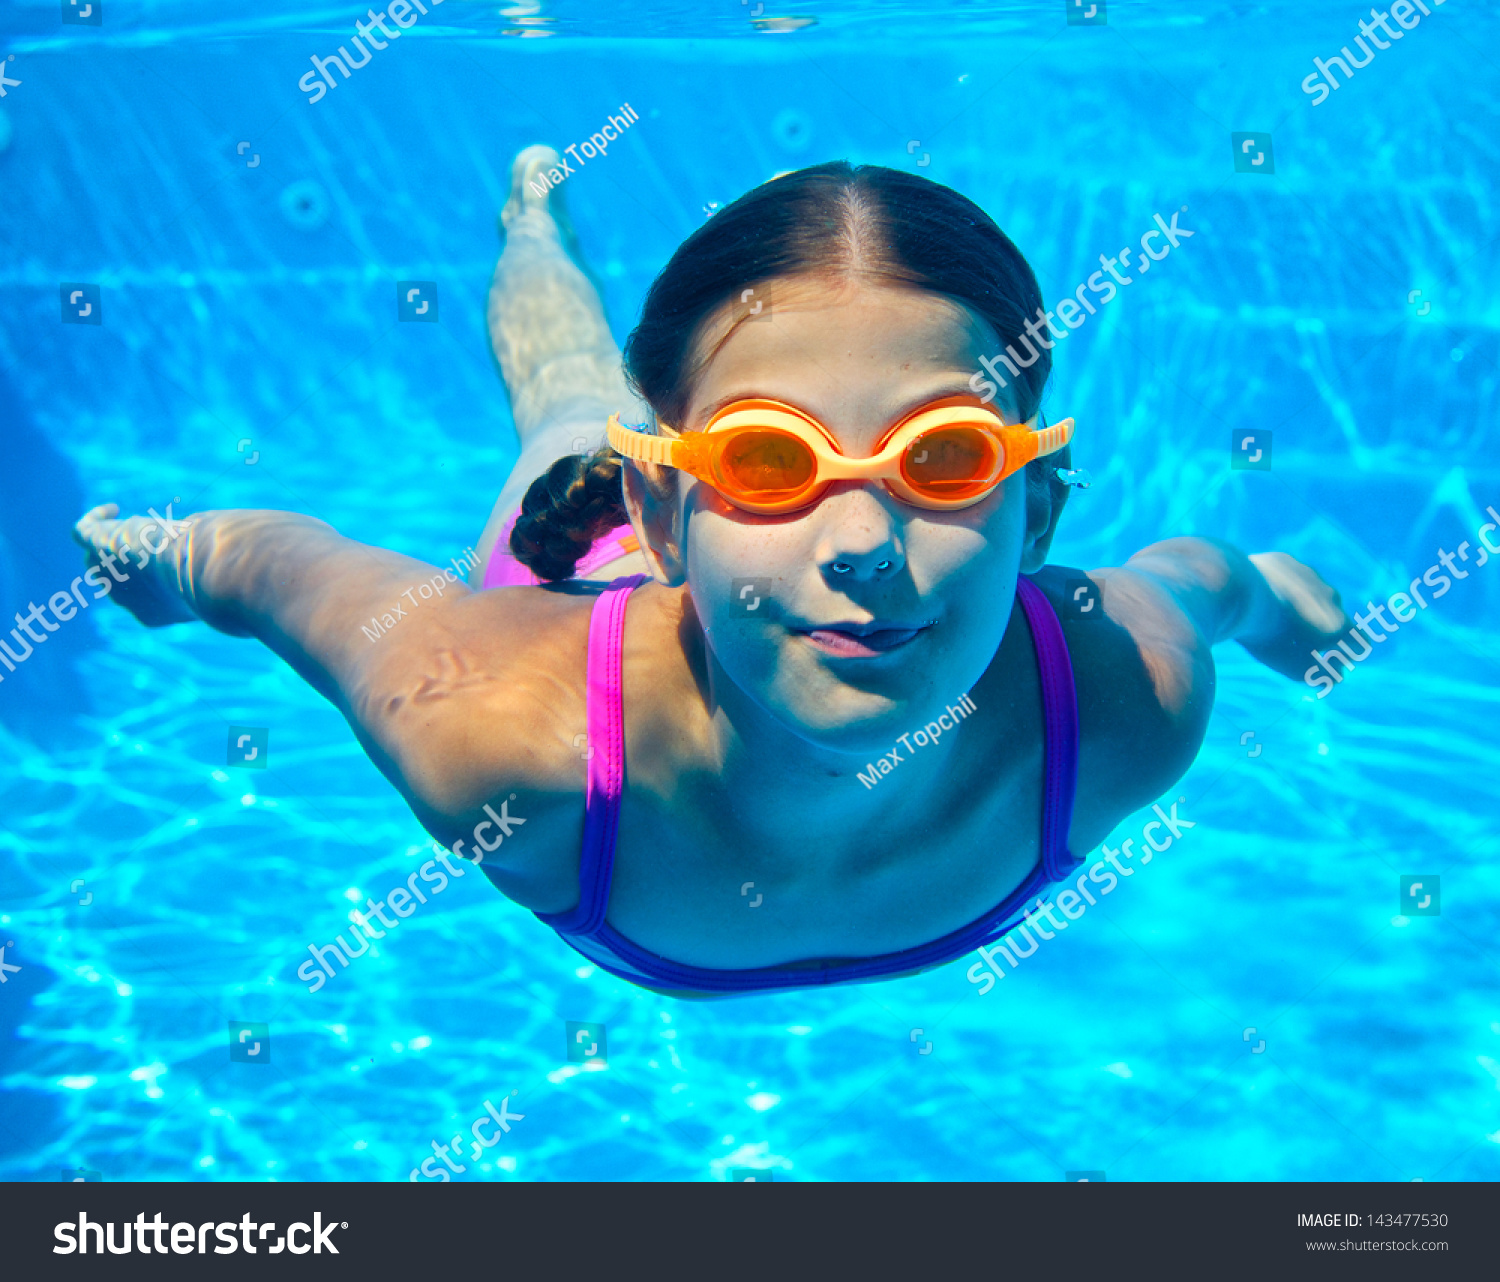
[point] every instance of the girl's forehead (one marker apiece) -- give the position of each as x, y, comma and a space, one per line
870, 348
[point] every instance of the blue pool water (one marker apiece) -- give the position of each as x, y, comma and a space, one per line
249, 356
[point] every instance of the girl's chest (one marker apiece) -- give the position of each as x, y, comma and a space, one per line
725, 885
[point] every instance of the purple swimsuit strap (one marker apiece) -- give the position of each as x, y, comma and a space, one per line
1060, 713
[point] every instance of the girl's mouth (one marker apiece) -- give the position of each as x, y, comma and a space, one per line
861, 643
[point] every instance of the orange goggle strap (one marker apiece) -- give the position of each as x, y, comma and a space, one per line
683, 452
686, 452
1050, 439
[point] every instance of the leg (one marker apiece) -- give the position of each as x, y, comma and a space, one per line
547, 327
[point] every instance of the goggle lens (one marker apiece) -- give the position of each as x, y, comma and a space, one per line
768, 465
951, 462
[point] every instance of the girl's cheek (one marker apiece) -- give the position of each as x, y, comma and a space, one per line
951, 555
727, 549
735, 579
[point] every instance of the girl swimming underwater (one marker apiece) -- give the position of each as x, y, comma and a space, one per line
831, 543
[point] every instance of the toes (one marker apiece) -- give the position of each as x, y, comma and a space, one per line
524, 172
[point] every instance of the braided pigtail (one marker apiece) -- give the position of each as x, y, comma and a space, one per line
572, 503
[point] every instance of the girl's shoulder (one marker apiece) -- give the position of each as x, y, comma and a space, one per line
480, 696
484, 700
1145, 683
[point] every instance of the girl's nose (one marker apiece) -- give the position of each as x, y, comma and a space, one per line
864, 569
864, 547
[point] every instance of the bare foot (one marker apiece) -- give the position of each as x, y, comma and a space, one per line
546, 321
544, 215
142, 570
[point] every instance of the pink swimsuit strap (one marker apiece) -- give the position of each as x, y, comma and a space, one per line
605, 745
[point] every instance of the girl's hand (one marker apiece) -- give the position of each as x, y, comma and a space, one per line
1300, 613
143, 581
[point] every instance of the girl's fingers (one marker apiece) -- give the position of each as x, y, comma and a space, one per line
90, 529
1303, 590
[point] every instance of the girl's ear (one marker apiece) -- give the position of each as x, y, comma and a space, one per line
1046, 497
650, 493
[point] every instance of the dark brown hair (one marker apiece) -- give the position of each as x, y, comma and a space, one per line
831, 219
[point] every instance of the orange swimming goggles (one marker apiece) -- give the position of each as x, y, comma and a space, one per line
765, 456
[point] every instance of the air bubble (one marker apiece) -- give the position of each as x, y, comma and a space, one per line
792, 129
305, 205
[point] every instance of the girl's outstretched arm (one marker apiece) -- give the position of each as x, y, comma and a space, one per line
1272, 604
291, 581
450, 694
461, 698
1144, 663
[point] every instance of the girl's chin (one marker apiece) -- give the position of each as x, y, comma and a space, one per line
835, 715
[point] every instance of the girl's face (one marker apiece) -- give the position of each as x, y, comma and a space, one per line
850, 658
